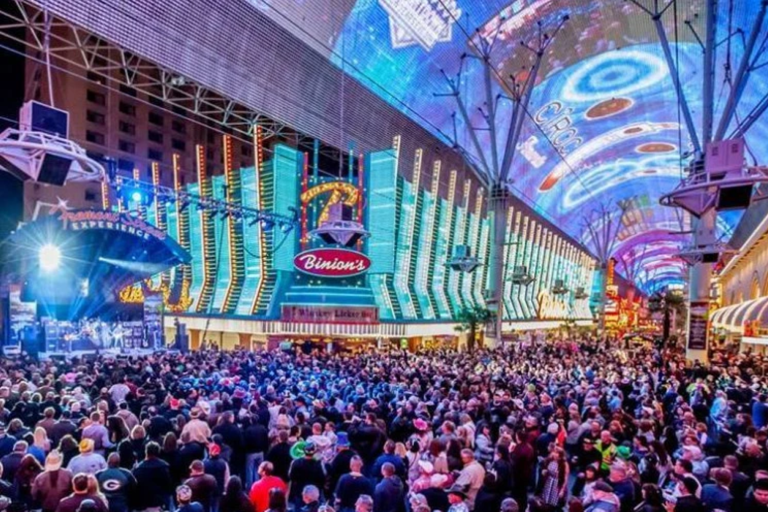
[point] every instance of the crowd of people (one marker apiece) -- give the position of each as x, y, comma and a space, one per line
543, 426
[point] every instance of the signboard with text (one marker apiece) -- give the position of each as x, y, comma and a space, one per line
330, 314
697, 325
332, 262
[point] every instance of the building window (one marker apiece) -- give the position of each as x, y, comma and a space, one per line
154, 154
156, 118
246, 150
96, 97
95, 77
179, 127
90, 196
158, 102
127, 109
125, 89
128, 147
125, 165
95, 137
156, 137
128, 128
179, 145
94, 117
179, 111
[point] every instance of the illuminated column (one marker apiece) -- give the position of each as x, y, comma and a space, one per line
258, 152
304, 188
208, 235
142, 211
235, 229
498, 205
182, 233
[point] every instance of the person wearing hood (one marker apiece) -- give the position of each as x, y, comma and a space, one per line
604, 499
390, 492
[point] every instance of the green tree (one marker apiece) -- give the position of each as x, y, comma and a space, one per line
470, 318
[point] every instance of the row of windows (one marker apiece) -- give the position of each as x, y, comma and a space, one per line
129, 109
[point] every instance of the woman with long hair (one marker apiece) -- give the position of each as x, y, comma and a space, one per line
117, 429
41, 440
170, 454
234, 499
68, 449
652, 499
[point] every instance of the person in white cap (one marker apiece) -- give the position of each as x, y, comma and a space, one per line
53, 484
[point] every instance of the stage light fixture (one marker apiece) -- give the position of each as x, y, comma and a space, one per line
267, 224
136, 196
50, 257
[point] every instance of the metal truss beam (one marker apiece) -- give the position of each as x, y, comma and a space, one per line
71, 45
742, 74
656, 16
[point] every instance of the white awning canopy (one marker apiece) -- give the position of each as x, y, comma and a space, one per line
733, 317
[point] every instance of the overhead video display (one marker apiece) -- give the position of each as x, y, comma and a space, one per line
603, 124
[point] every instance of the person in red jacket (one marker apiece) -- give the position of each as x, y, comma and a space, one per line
259, 494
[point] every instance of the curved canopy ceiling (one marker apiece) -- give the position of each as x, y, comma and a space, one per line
603, 126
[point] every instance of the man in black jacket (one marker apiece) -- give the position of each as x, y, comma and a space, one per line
390, 492
305, 471
153, 480
232, 437
255, 445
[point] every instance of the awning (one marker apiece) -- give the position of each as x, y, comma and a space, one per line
733, 317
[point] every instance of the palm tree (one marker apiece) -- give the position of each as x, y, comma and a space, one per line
469, 319
667, 302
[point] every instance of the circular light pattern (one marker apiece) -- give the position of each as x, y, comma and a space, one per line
656, 147
603, 177
608, 108
614, 74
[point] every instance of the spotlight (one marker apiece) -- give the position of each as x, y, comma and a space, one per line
286, 227
136, 196
267, 224
50, 257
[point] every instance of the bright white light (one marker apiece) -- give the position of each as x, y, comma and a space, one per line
136, 196
50, 257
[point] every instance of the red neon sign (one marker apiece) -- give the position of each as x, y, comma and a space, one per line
331, 262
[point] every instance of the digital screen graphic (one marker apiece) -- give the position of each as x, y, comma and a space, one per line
603, 124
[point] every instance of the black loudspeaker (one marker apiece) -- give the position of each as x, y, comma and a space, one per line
54, 170
710, 257
43, 118
734, 198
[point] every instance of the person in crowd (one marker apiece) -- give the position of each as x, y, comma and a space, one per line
310, 497
389, 493
277, 501
153, 478
88, 461
204, 486
184, 500
352, 485
260, 490
82, 493
53, 484
117, 483
235, 499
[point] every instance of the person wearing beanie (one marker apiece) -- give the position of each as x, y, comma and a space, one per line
80, 494
305, 471
88, 462
117, 484
53, 484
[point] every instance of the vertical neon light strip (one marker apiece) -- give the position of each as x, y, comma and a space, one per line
234, 226
426, 247
104, 194
461, 233
479, 241
405, 275
120, 203
304, 187
530, 292
440, 283
508, 311
208, 236
533, 294
160, 216
182, 228
547, 249
258, 160
554, 264
526, 260
142, 211
515, 261
360, 191
390, 291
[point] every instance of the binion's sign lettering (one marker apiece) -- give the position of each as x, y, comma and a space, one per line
332, 262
